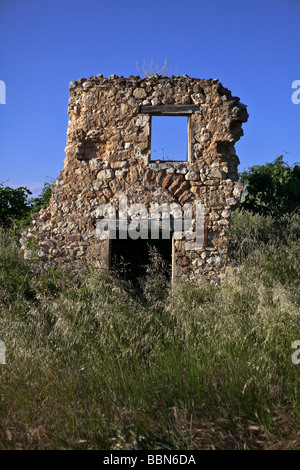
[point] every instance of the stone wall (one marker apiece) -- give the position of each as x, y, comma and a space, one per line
108, 153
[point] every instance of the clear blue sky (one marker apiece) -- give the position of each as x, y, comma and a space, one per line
251, 46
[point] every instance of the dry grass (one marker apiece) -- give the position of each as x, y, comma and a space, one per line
94, 364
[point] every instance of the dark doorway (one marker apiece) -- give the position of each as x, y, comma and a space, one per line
129, 258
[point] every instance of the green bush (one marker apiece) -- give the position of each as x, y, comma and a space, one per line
16, 206
36, 203
272, 189
13, 204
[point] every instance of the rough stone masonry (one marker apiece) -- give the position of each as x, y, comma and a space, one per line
108, 153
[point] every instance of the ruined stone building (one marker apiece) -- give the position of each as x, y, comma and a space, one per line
108, 154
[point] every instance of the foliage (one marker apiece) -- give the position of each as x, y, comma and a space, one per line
36, 203
272, 188
16, 206
13, 204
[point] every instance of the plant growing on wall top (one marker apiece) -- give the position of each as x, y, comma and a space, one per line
149, 69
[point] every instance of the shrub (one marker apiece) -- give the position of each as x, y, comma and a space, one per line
272, 188
13, 204
16, 207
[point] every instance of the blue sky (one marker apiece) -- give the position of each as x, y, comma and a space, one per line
251, 46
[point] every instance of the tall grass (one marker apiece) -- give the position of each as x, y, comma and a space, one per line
93, 363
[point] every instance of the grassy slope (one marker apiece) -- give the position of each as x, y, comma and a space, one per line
92, 364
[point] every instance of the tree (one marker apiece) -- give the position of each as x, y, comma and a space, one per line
14, 204
272, 189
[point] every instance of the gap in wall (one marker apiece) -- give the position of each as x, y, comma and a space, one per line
169, 138
129, 258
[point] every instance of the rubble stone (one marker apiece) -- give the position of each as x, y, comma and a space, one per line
108, 153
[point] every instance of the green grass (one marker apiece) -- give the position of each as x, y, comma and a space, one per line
94, 364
